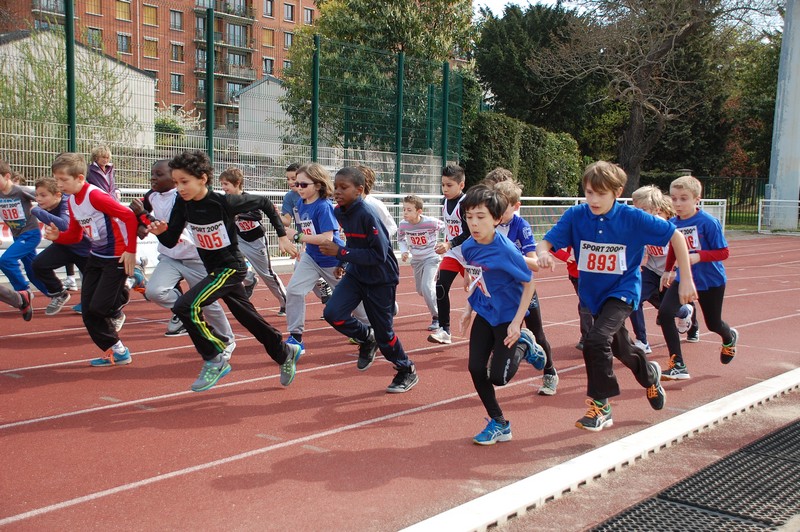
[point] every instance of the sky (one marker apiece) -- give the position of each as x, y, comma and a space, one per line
496, 6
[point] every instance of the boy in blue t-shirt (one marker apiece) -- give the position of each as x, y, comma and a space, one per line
608, 239
707, 249
500, 287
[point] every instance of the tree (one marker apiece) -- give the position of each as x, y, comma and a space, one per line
635, 45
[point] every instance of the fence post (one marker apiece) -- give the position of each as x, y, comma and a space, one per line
315, 100
210, 83
72, 117
398, 135
429, 117
445, 108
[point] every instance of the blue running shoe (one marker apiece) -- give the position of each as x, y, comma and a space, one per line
112, 359
293, 341
534, 353
493, 433
77, 308
210, 374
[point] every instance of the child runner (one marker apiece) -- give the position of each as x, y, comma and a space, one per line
111, 228
456, 232
253, 240
608, 239
416, 236
176, 263
372, 278
519, 232
19, 300
707, 248
211, 217
501, 287
54, 208
15, 211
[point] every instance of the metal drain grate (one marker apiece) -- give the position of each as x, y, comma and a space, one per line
784, 443
663, 515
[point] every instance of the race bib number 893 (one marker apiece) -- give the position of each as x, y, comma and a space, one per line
602, 258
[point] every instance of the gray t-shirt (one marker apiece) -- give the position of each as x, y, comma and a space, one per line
15, 210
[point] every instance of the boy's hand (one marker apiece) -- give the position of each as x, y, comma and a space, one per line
512, 335
546, 261
442, 247
51, 232
141, 232
404, 256
686, 290
329, 248
287, 246
338, 272
666, 280
157, 227
463, 321
137, 207
129, 260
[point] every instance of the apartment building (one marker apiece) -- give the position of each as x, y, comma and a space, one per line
168, 39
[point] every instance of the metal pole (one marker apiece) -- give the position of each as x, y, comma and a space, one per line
315, 101
210, 83
429, 119
72, 116
445, 108
398, 134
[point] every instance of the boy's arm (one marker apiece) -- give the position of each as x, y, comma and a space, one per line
686, 289
47, 218
170, 233
544, 255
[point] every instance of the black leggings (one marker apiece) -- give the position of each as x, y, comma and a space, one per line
443, 283
486, 349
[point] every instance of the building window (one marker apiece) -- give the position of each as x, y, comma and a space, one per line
269, 6
176, 52
201, 89
150, 15
94, 7
176, 83
233, 90
269, 65
200, 28
287, 65
288, 12
237, 36
308, 15
288, 39
123, 43
200, 59
154, 75
150, 48
123, 9
239, 60
268, 38
175, 20
94, 37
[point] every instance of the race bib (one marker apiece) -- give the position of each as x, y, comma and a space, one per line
476, 280
417, 239
692, 237
307, 227
453, 228
211, 236
602, 258
246, 225
89, 228
656, 251
11, 211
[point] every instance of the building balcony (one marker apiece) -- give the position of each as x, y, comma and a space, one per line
241, 72
220, 39
49, 7
244, 14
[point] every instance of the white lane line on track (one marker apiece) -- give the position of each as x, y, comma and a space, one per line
249, 454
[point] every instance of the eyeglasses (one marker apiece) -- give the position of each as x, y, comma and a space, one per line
298, 184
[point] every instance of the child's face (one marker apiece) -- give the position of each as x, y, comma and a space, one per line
648, 209
410, 212
67, 183
684, 202
5, 182
481, 224
228, 187
600, 202
345, 191
46, 199
103, 160
291, 177
509, 214
451, 189
189, 187
161, 177
305, 187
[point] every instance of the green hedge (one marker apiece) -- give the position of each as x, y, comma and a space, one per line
545, 163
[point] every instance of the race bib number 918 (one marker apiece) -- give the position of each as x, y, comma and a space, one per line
602, 258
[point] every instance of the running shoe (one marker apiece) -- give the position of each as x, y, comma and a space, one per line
434, 326
596, 418
282, 312
493, 433
366, 352
26, 306
644, 346
289, 367
683, 319
227, 353
325, 291
293, 341
249, 288
70, 284
655, 393
175, 327
693, 336
405, 379
549, 384
676, 371
210, 374
57, 302
728, 351
532, 352
440, 337
118, 321
112, 359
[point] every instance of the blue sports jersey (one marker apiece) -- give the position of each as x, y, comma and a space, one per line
290, 201
519, 231
703, 232
321, 218
608, 250
497, 271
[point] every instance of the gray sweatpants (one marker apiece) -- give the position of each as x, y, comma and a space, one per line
305, 276
257, 254
425, 272
161, 289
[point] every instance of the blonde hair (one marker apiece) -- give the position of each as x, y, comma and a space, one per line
648, 197
510, 189
498, 175
604, 176
319, 176
47, 183
667, 209
690, 183
234, 176
72, 163
99, 151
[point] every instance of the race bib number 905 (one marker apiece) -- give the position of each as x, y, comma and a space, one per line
602, 258
211, 236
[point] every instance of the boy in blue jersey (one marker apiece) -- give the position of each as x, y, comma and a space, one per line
372, 278
707, 249
608, 239
500, 289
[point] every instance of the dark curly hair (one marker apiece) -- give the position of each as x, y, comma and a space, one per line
495, 202
193, 162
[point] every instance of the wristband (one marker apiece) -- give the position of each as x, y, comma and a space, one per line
297, 237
